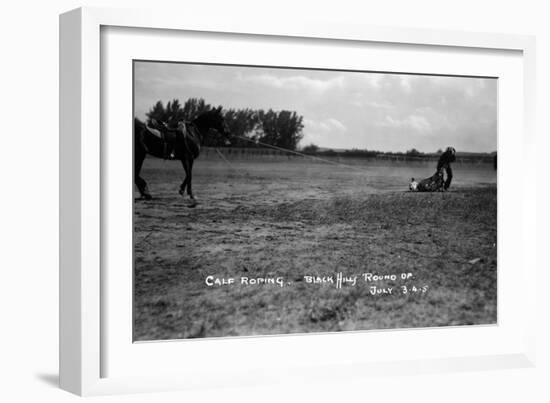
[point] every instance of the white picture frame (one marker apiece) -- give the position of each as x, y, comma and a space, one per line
83, 309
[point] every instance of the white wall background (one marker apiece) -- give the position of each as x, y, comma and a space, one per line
29, 196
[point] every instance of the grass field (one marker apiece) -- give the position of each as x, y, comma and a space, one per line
287, 219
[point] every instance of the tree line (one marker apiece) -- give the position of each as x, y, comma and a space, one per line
279, 128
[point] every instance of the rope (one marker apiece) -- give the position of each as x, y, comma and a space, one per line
302, 154
225, 159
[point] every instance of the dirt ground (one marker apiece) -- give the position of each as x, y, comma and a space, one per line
265, 249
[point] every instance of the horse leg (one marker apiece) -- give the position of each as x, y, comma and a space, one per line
449, 177
138, 180
190, 178
186, 184
183, 185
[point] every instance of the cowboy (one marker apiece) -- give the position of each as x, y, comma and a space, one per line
444, 163
437, 182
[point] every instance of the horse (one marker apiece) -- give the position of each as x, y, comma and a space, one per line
185, 140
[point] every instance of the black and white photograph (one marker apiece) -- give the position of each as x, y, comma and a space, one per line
287, 201
272, 200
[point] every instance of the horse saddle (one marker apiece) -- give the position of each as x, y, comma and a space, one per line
153, 131
167, 136
184, 138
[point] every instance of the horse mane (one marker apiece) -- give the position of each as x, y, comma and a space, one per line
207, 115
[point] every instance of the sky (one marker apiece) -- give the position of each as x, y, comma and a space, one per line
341, 110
